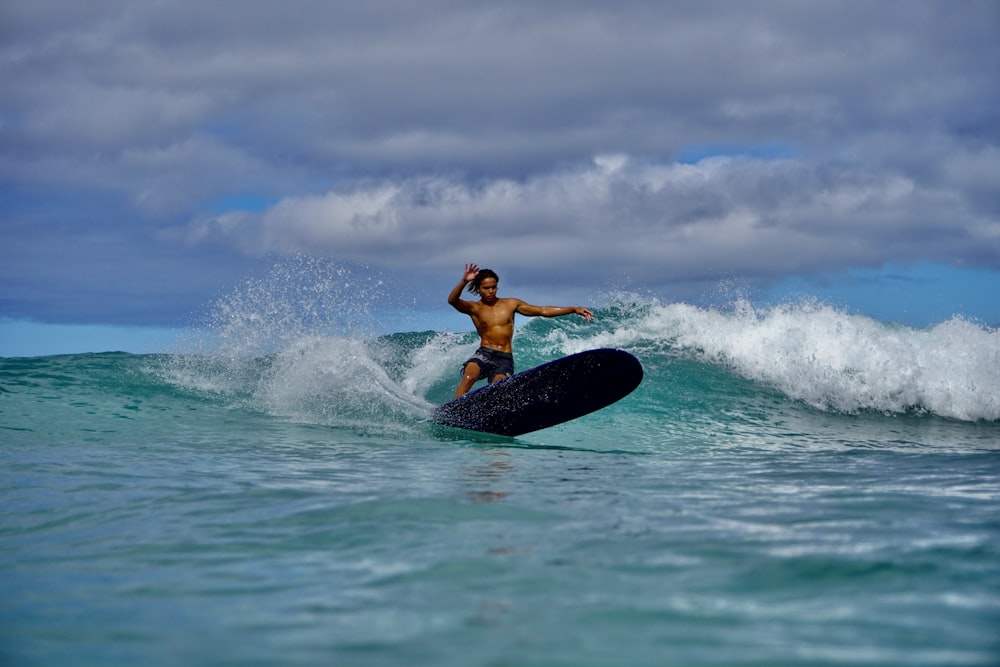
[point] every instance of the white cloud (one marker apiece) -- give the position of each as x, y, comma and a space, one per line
722, 216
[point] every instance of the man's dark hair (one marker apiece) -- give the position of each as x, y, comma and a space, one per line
480, 277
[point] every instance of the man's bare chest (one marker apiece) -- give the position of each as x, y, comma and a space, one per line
498, 315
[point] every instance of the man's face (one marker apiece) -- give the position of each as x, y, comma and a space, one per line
488, 290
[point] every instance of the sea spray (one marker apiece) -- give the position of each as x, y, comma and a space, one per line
299, 296
292, 344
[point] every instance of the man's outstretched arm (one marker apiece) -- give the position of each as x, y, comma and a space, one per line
553, 311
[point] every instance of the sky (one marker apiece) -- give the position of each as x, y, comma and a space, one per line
155, 156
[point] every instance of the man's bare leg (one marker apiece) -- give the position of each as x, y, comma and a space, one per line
469, 377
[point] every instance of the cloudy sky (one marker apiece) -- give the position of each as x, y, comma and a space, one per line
156, 153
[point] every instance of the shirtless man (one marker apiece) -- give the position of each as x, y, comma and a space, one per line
494, 320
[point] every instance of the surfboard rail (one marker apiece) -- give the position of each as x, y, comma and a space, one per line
546, 395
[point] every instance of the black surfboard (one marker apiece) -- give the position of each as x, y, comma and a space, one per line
545, 395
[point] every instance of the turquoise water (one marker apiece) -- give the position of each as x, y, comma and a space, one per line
795, 486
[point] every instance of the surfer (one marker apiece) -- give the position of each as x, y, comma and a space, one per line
494, 320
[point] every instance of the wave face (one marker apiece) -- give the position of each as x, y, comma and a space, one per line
803, 373
810, 354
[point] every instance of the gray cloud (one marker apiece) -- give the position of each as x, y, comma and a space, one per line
438, 131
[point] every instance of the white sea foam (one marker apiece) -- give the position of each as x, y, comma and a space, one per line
838, 361
438, 358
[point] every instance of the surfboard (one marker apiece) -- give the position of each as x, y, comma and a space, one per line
545, 395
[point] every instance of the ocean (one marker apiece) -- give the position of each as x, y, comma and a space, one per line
792, 485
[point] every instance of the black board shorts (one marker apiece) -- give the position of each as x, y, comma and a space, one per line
491, 363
